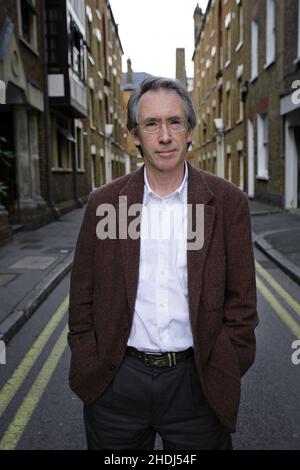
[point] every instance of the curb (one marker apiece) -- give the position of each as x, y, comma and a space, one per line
27, 306
284, 264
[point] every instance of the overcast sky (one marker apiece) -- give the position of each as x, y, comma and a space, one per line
151, 30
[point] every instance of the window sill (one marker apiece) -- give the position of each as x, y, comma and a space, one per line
80, 170
239, 46
227, 64
266, 66
253, 79
262, 178
29, 46
61, 170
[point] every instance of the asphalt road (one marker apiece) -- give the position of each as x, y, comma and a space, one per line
38, 410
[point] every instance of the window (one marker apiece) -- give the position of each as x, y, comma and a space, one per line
228, 109
63, 140
241, 169
270, 32
262, 146
241, 102
77, 51
53, 26
229, 167
91, 107
93, 170
79, 148
254, 49
28, 22
228, 45
240, 23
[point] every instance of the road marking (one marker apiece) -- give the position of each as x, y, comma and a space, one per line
279, 309
278, 288
16, 428
19, 375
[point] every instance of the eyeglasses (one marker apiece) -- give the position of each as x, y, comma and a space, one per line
174, 124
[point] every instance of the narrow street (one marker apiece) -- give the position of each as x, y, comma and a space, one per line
38, 410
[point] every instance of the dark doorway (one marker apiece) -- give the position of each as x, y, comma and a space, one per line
8, 175
297, 140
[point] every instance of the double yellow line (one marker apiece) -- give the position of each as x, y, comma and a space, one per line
283, 314
16, 428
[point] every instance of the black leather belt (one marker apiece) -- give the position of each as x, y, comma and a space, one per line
167, 359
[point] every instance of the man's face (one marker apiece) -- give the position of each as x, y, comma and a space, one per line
165, 150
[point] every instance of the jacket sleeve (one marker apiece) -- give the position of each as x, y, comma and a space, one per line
81, 336
240, 310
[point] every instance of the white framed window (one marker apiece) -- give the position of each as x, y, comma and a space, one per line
240, 16
229, 167
254, 49
241, 169
270, 32
262, 147
229, 114
241, 102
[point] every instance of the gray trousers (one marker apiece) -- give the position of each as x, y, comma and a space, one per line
142, 401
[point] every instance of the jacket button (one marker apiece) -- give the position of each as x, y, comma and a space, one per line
125, 327
112, 367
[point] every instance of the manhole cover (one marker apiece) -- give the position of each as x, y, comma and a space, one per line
33, 262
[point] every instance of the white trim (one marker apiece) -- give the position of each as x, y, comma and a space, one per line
254, 50
291, 168
270, 33
250, 145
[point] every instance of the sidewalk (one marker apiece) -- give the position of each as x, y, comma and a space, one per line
31, 266
276, 232
35, 262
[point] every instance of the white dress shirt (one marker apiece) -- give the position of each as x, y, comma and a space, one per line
161, 320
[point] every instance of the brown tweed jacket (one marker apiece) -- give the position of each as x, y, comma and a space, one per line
221, 286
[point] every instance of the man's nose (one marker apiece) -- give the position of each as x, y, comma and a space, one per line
164, 133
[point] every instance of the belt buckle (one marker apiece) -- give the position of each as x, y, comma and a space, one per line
148, 358
172, 359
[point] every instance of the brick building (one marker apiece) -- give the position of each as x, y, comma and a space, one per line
105, 127
21, 118
220, 86
64, 117
290, 102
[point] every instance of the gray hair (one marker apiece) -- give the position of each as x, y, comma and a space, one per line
154, 84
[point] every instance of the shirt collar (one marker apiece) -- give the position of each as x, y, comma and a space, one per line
180, 191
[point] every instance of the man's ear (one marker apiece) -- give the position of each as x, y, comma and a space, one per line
136, 139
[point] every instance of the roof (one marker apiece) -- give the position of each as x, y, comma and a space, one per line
137, 78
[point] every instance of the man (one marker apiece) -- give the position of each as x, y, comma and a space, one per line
161, 329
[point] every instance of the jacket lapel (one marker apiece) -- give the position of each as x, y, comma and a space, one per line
131, 196
198, 193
